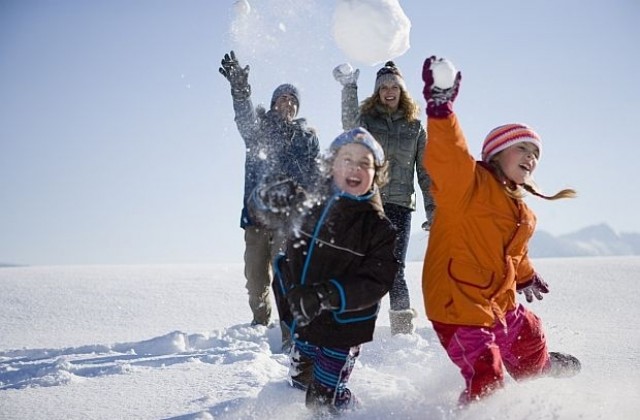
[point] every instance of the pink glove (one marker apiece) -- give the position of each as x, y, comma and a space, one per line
439, 101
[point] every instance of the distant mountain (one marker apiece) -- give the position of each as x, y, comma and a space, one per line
633, 240
592, 241
9, 265
598, 240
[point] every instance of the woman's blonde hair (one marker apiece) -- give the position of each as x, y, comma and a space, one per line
407, 104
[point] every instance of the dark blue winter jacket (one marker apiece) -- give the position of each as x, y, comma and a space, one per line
348, 241
274, 147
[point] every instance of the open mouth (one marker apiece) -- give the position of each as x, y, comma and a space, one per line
353, 182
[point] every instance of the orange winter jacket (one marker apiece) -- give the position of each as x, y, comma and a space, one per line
477, 249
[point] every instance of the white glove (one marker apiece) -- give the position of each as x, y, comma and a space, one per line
346, 75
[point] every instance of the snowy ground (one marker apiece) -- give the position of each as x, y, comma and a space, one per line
173, 342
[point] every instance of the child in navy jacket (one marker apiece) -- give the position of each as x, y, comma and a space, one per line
337, 266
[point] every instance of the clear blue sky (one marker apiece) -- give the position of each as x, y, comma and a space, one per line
117, 140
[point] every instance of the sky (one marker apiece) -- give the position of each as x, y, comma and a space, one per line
174, 342
117, 139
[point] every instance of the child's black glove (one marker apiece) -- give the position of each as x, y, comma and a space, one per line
279, 194
237, 76
534, 287
307, 302
439, 99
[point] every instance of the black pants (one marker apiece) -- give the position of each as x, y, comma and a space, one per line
401, 219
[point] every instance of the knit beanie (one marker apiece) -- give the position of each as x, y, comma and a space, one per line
389, 73
507, 135
360, 136
285, 89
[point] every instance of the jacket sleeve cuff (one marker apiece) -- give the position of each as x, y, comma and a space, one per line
527, 283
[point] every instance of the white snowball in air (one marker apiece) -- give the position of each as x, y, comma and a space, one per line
444, 73
371, 31
242, 7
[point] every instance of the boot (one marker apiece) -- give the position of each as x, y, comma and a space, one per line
563, 365
261, 308
346, 401
319, 399
402, 321
287, 341
324, 402
300, 370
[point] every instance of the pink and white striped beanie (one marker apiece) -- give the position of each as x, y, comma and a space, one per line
507, 135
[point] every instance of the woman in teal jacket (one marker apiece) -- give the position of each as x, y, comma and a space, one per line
392, 116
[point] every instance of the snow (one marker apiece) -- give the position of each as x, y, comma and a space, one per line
242, 7
367, 31
371, 31
444, 73
266, 29
173, 342
345, 68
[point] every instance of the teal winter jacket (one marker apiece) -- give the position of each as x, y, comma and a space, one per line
403, 142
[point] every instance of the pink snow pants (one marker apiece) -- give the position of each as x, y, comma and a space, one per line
480, 352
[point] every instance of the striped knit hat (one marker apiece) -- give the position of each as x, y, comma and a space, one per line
507, 135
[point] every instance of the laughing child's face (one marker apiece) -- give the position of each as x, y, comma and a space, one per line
353, 169
518, 161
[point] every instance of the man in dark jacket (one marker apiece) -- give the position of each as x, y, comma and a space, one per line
277, 145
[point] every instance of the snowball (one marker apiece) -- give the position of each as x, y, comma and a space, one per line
242, 7
444, 73
371, 31
345, 68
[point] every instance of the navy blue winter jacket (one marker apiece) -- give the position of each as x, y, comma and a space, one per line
274, 147
348, 241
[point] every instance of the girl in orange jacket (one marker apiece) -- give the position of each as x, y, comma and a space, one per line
477, 255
